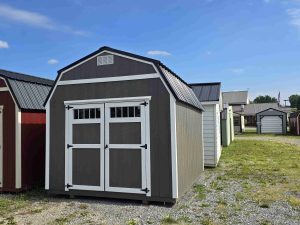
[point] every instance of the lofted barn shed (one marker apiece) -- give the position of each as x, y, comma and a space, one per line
121, 125
22, 130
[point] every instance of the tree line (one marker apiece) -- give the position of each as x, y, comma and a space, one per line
293, 99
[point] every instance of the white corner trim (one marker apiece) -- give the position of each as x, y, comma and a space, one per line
210, 103
174, 148
47, 156
108, 79
7, 89
4, 89
18, 161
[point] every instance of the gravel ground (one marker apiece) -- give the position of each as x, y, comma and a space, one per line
217, 207
221, 203
280, 139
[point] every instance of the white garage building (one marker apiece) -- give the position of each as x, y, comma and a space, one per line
209, 94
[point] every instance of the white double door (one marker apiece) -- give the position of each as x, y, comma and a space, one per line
107, 147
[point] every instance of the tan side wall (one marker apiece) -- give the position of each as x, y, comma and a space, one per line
189, 146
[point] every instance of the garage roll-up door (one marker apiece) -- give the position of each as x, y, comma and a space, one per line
271, 124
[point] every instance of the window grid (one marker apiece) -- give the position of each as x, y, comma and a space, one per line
126, 111
89, 113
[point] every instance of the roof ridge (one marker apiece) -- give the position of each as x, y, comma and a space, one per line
205, 84
3, 71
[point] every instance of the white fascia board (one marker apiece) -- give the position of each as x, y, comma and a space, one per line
210, 103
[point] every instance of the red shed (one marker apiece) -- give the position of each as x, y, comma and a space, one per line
22, 130
295, 123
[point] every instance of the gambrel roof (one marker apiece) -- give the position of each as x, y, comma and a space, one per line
28, 91
179, 88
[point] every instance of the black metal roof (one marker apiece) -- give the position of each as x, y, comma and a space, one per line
25, 77
28, 91
179, 88
207, 92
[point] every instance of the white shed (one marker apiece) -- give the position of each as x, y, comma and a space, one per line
209, 94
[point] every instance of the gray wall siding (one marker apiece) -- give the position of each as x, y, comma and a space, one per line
211, 135
160, 137
122, 67
189, 146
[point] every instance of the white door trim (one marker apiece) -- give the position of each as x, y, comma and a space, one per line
145, 139
109, 100
1, 146
69, 151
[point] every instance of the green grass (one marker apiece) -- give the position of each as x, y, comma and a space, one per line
169, 220
200, 190
268, 171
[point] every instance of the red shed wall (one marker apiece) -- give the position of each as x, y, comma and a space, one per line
9, 143
33, 133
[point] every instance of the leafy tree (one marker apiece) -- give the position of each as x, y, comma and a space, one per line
265, 99
294, 99
298, 103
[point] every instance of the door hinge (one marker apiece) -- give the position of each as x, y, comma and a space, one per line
69, 146
69, 185
144, 103
144, 146
106, 146
145, 190
69, 107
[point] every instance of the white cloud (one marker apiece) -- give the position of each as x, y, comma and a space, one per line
157, 52
294, 15
237, 70
52, 61
4, 44
34, 19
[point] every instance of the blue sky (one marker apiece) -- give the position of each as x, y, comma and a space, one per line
249, 44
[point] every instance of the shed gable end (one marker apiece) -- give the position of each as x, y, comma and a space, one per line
116, 66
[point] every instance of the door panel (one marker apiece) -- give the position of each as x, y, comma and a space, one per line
271, 124
125, 155
125, 168
86, 163
125, 133
86, 133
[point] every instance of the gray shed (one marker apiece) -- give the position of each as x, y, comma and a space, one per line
209, 94
271, 121
120, 125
